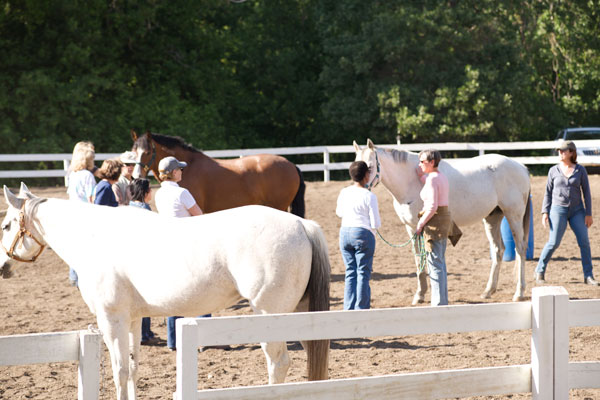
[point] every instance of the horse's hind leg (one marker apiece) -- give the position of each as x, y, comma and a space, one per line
278, 361
492, 230
518, 230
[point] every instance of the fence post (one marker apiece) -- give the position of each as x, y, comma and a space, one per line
88, 381
66, 165
326, 166
549, 343
187, 359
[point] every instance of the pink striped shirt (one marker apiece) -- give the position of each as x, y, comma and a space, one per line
434, 194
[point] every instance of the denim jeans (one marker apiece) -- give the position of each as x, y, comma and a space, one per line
171, 333
559, 216
438, 277
357, 246
73, 277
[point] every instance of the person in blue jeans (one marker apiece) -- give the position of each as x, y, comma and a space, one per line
140, 193
359, 211
567, 183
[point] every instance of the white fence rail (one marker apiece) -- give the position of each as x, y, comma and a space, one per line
549, 376
326, 166
82, 346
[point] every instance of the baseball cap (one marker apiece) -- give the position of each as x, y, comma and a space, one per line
566, 145
128, 158
169, 164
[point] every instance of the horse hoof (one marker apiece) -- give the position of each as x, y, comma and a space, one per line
518, 298
417, 300
486, 295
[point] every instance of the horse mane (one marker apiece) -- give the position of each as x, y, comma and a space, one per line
173, 141
34, 203
399, 156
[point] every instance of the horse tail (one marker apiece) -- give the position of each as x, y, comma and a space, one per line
318, 294
527, 221
297, 207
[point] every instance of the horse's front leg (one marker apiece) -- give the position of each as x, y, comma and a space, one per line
115, 331
135, 337
278, 361
419, 296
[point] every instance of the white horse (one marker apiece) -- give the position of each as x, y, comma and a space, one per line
277, 261
487, 187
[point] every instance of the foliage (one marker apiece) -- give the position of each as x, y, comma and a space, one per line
271, 73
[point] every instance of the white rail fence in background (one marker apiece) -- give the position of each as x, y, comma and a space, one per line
549, 376
326, 166
82, 346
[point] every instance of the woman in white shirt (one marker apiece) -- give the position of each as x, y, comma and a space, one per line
173, 201
359, 211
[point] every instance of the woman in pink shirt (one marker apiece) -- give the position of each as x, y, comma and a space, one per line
434, 222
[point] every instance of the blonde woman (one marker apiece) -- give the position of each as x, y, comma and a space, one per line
82, 184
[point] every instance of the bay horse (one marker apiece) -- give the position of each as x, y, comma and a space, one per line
265, 179
277, 261
486, 187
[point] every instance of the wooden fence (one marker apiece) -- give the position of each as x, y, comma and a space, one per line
82, 346
549, 376
326, 166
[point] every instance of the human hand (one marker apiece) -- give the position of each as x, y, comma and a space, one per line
420, 172
544, 220
588, 220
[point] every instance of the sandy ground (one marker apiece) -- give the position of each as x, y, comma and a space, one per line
39, 299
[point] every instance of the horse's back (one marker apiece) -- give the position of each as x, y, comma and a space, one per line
479, 184
263, 179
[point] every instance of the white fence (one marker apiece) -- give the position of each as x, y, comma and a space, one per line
549, 376
82, 346
326, 166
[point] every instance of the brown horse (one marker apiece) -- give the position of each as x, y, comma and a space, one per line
263, 179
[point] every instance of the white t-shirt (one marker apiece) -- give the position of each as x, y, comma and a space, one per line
358, 208
173, 201
82, 185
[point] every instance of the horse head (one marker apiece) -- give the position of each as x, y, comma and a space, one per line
18, 241
145, 150
369, 156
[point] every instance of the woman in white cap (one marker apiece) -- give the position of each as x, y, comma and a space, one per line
120, 188
173, 201
567, 183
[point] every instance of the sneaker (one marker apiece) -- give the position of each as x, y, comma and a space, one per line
539, 278
151, 341
591, 281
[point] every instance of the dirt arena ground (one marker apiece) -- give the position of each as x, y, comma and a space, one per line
39, 299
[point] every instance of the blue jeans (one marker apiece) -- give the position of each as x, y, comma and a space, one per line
171, 334
438, 277
559, 216
73, 277
357, 246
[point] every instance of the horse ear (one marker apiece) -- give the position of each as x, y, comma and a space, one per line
134, 135
149, 134
356, 146
370, 144
24, 190
11, 199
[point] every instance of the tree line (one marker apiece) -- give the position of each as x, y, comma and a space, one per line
272, 73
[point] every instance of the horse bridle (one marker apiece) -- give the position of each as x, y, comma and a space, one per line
373, 183
146, 167
21, 237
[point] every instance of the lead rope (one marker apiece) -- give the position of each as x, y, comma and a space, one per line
418, 249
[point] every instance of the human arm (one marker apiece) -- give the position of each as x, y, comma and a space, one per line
195, 210
430, 203
547, 203
374, 218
